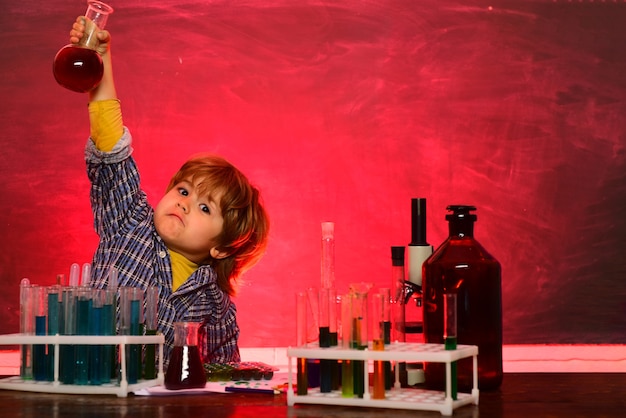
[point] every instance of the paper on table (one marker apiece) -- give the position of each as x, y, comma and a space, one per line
277, 382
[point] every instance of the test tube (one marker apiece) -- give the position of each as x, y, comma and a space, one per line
347, 376
334, 308
54, 299
378, 343
152, 298
84, 303
449, 338
386, 330
313, 328
324, 318
68, 351
40, 359
313, 368
398, 308
86, 275
74, 275
96, 328
301, 341
54, 309
113, 278
130, 318
328, 255
108, 328
359, 334
27, 328
326, 368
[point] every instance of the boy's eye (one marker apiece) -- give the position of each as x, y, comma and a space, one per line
183, 191
205, 208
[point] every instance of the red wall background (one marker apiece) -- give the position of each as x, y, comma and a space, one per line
343, 111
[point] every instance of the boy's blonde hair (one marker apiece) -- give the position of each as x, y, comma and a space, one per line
246, 225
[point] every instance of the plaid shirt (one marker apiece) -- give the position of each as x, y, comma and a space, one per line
124, 222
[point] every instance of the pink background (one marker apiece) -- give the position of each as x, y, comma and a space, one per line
343, 111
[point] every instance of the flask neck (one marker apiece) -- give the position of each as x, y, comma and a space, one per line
461, 228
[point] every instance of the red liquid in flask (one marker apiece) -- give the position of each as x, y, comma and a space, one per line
78, 69
185, 370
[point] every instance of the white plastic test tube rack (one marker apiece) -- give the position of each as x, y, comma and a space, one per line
121, 389
397, 397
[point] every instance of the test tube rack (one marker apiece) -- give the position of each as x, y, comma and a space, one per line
397, 397
121, 388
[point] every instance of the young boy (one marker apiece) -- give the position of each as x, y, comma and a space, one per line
204, 233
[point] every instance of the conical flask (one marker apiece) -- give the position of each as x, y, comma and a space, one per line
185, 370
78, 67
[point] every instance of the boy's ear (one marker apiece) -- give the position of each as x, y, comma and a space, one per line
217, 254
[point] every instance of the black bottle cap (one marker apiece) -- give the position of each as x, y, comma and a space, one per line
461, 221
460, 212
397, 256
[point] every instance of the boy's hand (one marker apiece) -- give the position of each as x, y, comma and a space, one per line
78, 32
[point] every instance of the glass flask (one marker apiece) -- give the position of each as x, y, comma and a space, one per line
462, 266
185, 370
78, 67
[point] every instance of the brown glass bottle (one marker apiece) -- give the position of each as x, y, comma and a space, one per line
462, 266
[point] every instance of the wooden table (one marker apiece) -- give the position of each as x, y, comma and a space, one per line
522, 395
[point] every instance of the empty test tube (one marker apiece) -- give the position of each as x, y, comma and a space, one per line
301, 341
85, 278
26, 327
74, 275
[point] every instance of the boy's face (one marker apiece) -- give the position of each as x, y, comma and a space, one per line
189, 223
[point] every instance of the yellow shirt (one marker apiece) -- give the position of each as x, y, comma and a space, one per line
106, 123
181, 269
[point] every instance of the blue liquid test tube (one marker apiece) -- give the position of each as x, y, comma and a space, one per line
130, 318
40, 361
67, 351
83, 320
54, 297
108, 359
95, 328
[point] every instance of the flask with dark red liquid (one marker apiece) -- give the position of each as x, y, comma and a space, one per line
185, 370
78, 67
462, 266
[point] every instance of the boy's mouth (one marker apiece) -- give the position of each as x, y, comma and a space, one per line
177, 216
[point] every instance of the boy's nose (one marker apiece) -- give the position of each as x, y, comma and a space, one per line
183, 206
